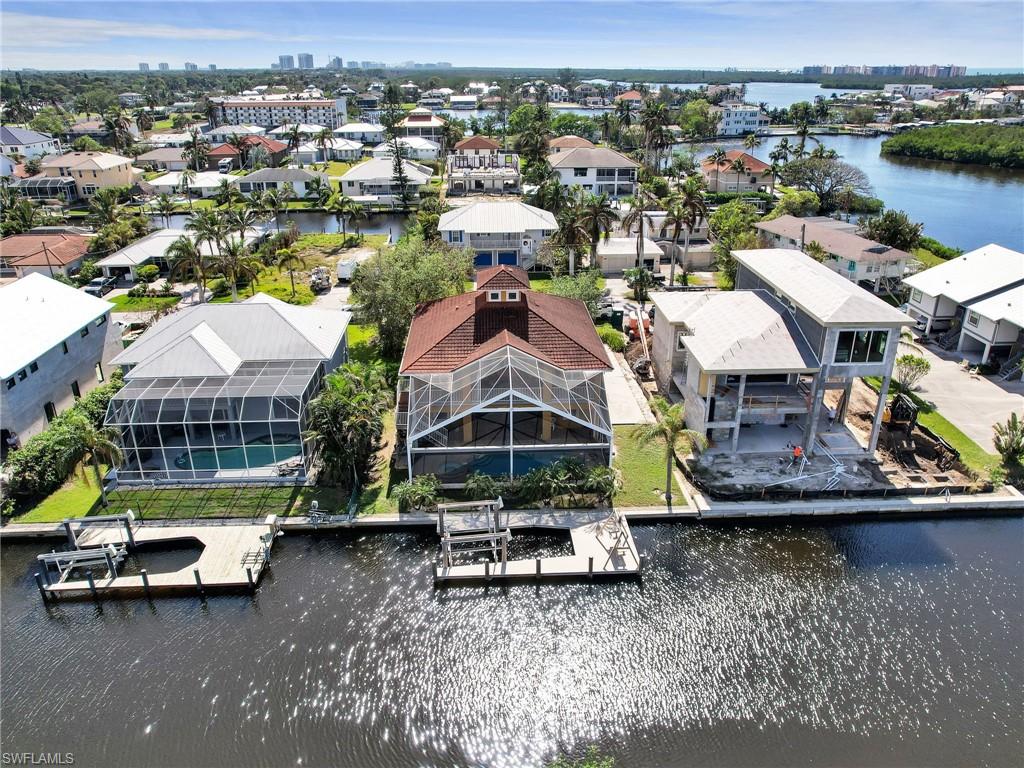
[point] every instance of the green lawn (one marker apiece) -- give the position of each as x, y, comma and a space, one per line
276, 284
374, 500
78, 497
126, 303
337, 167
160, 126
927, 258
642, 467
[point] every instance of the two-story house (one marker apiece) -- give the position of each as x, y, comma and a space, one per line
720, 176
77, 175
364, 133
598, 170
59, 344
295, 179
635, 99
479, 164
870, 264
423, 123
26, 144
783, 349
499, 233
501, 380
974, 299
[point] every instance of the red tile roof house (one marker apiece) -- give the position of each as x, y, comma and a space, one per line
276, 152
500, 380
721, 177
47, 254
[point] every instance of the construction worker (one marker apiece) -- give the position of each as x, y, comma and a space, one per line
798, 454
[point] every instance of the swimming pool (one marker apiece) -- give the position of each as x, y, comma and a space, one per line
258, 453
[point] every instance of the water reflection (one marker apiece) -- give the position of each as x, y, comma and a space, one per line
744, 645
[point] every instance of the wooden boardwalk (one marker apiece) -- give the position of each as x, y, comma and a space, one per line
602, 547
230, 555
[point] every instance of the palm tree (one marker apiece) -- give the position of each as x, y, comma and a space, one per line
195, 150
98, 446
324, 140
637, 217
685, 212
273, 202
290, 259
670, 427
654, 119
186, 259
143, 119
752, 141
607, 125
249, 269
256, 203
241, 220
165, 206
294, 137
105, 206
227, 194
229, 262
187, 177
572, 232
208, 227
718, 157
598, 217
318, 190
342, 207
240, 143
119, 123
739, 168
624, 113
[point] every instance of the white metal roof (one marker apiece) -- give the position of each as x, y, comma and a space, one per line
383, 168
155, 244
486, 217
411, 142
36, 314
1005, 305
973, 274
737, 331
825, 295
617, 246
201, 180
214, 339
359, 128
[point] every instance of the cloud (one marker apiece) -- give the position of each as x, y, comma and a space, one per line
54, 31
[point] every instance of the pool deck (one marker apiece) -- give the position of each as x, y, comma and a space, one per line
230, 552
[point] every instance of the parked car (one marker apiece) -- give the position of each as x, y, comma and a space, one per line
98, 286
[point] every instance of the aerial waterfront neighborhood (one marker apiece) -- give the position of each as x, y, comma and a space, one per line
366, 389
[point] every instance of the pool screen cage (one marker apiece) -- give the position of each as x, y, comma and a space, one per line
246, 425
505, 379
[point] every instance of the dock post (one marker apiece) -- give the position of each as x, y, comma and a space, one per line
110, 563
92, 586
46, 576
538, 568
42, 589
71, 535
487, 569
590, 567
199, 582
128, 518
640, 563
248, 575
145, 582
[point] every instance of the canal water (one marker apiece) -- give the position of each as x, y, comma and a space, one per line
318, 221
965, 206
872, 643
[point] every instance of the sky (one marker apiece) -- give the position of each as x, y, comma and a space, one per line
758, 34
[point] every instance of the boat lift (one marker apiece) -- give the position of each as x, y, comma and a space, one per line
111, 556
487, 537
128, 539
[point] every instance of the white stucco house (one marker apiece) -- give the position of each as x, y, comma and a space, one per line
499, 233
365, 133
412, 147
598, 170
373, 180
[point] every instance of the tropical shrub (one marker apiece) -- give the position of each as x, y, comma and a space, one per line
422, 492
909, 371
148, 273
480, 485
1009, 439
616, 340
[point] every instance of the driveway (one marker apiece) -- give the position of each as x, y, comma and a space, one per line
972, 404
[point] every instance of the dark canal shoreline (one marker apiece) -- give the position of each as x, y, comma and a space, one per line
861, 643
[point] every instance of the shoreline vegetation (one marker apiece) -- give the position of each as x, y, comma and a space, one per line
1000, 146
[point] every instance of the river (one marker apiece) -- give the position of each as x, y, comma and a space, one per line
869, 643
965, 206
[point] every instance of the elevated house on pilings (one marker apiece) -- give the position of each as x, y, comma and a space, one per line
500, 380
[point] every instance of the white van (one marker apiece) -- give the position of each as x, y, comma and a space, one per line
346, 268
226, 165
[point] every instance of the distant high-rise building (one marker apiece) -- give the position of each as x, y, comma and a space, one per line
352, 65
164, 66
335, 63
143, 66
191, 66
366, 64
287, 61
305, 61
212, 67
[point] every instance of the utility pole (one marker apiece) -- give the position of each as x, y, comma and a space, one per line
46, 252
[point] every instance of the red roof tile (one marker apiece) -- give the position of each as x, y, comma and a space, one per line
570, 142
753, 164
27, 250
272, 146
478, 142
502, 278
449, 333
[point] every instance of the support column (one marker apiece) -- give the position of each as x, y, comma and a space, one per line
545, 425
986, 353
739, 413
876, 423
467, 428
816, 399
928, 326
960, 341
847, 393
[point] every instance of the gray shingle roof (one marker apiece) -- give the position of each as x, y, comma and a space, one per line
21, 136
585, 157
276, 175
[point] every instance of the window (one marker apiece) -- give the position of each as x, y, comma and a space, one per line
64, 347
680, 346
22, 374
861, 346
851, 266
455, 237
50, 411
33, 367
513, 295
75, 390
973, 318
101, 321
494, 295
579, 171
99, 372
11, 383
84, 332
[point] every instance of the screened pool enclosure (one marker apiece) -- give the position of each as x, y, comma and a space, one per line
248, 425
504, 413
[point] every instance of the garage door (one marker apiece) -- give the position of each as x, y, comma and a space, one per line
508, 257
484, 259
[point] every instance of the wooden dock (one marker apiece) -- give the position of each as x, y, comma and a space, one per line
232, 559
602, 545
